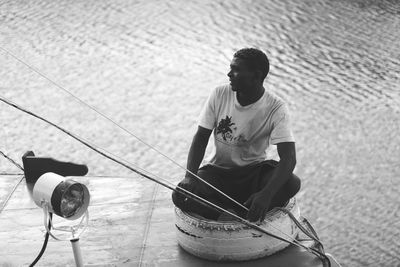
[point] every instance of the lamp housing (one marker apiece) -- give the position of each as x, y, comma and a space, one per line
62, 196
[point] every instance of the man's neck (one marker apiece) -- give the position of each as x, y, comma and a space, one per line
251, 97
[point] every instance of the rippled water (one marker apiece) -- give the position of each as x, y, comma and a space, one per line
150, 65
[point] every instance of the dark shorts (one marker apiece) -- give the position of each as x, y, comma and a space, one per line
239, 183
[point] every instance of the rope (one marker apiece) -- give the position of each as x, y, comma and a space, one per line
119, 126
15, 186
10, 174
322, 256
9, 196
168, 185
148, 220
12, 161
313, 235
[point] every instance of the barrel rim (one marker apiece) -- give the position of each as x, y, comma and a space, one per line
272, 215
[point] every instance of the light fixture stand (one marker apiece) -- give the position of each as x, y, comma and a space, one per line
75, 231
77, 252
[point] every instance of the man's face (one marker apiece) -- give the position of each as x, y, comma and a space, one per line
240, 76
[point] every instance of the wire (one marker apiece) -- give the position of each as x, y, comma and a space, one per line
46, 239
10, 174
15, 187
12, 161
178, 189
9, 195
147, 228
120, 126
130, 133
310, 232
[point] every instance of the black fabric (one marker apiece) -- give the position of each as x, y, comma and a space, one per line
34, 167
239, 183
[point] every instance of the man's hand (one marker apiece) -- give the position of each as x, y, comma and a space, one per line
258, 203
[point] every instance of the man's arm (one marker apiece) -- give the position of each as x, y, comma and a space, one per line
260, 201
196, 155
282, 173
197, 150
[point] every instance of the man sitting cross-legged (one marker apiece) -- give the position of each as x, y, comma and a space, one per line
245, 119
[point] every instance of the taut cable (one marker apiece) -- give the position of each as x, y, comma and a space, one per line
15, 187
12, 161
166, 184
120, 126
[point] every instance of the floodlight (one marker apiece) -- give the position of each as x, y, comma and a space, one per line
64, 197
67, 199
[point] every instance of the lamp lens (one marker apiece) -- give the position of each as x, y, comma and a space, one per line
72, 200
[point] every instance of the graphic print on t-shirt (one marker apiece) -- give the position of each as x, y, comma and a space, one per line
226, 130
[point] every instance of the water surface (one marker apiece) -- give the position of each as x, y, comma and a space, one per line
149, 65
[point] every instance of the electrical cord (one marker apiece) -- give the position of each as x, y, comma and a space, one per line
46, 239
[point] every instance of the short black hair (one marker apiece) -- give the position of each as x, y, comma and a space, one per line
255, 58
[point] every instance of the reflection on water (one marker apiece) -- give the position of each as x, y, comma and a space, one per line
150, 65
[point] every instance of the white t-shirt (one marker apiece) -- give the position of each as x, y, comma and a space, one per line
242, 134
